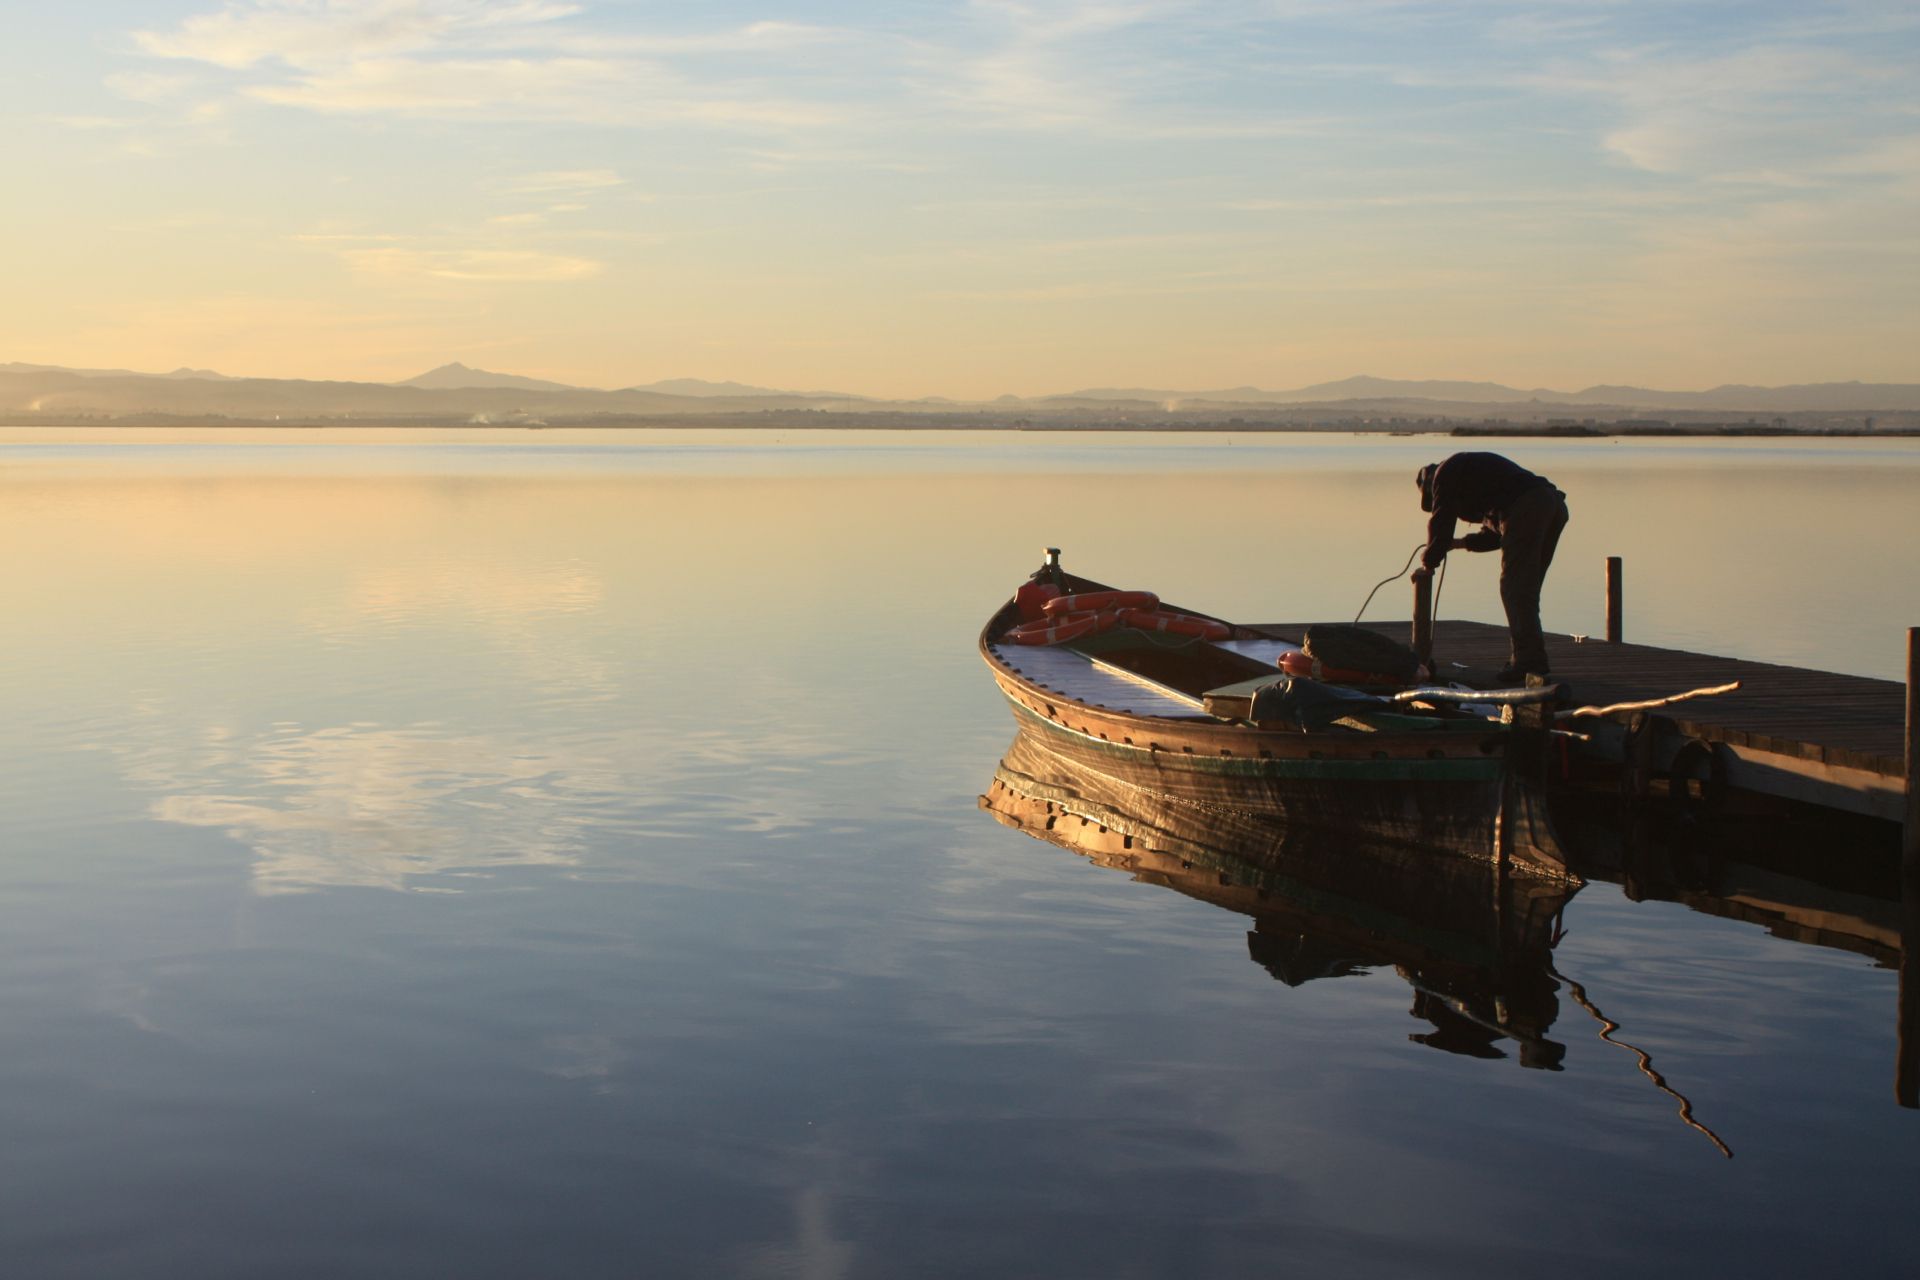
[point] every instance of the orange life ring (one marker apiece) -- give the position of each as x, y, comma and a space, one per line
1179, 624
1101, 600
1297, 663
1059, 630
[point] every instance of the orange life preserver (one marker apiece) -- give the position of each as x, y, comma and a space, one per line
1101, 600
1059, 630
1179, 624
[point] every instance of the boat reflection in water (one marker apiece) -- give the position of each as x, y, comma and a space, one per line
1471, 937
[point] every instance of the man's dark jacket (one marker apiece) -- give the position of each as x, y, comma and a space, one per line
1475, 487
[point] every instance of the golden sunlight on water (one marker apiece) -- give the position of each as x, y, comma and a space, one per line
255, 593
368, 798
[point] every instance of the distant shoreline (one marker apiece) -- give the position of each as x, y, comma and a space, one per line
816, 421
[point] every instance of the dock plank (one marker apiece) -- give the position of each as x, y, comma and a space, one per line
1821, 716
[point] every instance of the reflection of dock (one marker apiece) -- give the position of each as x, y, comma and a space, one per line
1833, 740
1823, 881
1868, 927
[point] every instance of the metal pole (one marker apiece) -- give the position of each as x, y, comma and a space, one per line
1613, 599
1423, 619
1906, 1079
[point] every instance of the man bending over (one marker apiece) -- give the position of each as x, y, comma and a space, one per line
1521, 516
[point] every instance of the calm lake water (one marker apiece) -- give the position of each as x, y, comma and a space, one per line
557, 854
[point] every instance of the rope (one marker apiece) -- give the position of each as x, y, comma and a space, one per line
1384, 581
1439, 585
1607, 1027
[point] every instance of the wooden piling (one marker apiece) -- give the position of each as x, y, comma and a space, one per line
1910, 841
1613, 599
1906, 1083
1423, 619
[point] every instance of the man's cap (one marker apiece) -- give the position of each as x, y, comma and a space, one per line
1425, 480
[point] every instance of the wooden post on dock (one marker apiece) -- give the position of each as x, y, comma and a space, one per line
1910, 838
1613, 599
1906, 1082
1423, 619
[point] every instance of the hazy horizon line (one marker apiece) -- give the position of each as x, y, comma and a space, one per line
210, 374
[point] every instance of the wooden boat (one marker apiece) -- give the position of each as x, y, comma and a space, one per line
1191, 719
1474, 944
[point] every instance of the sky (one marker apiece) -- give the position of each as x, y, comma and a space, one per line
967, 199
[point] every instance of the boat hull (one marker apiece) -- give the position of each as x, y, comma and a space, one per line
1453, 802
1455, 789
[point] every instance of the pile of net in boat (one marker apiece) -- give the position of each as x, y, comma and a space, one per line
1358, 649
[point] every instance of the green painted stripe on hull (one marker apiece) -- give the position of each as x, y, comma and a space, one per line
1450, 769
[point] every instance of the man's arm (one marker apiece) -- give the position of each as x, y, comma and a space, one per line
1486, 538
1439, 536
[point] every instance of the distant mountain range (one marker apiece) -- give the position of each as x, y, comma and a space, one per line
1835, 396
452, 392
456, 375
455, 391
182, 372
450, 377
699, 387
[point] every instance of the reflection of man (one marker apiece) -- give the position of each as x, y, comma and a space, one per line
1521, 515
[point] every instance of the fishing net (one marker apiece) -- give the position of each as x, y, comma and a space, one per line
1349, 648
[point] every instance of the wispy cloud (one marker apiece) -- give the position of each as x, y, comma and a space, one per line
342, 235
1695, 115
565, 182
309, 33
1534, 28
1567, 198
152, 86
1036, 66
495, 250
462, 59
96, 124
1165, 70
1100, 290
496, 266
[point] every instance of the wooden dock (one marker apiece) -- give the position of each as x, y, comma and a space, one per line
1817, 737
1840, 742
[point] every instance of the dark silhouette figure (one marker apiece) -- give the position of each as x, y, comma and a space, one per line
1521, 516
